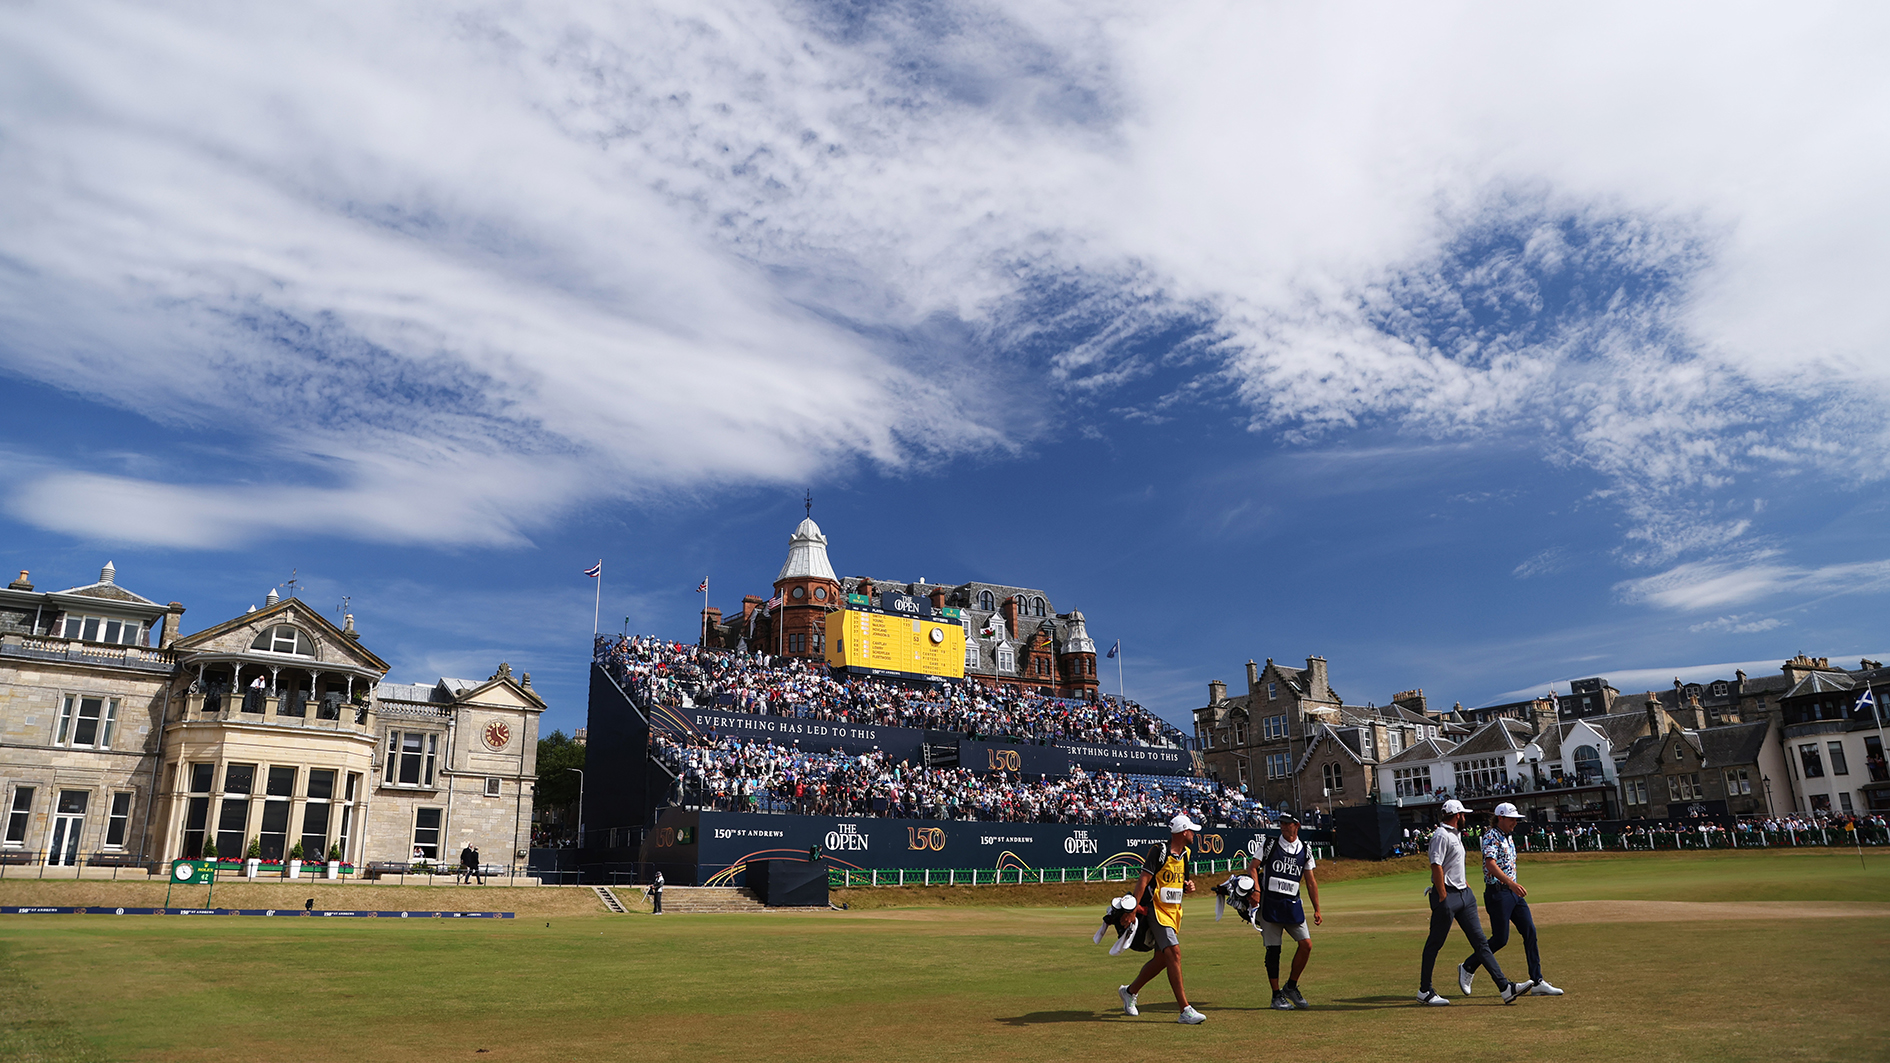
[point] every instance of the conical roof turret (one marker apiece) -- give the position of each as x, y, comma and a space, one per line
807, 554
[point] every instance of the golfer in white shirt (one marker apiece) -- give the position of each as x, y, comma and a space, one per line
1451, 900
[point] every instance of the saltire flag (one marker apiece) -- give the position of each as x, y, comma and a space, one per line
1867, 700
1115, 648
703, 587
595, 571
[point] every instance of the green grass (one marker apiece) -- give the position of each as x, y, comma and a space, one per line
1742, 978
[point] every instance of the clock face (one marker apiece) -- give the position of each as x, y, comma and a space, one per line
184, 872
938, 635
497, 734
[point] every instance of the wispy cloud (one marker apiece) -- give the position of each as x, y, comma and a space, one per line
1740, 624
1754, 577
450, 274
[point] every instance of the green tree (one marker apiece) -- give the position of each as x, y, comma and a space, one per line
557, 789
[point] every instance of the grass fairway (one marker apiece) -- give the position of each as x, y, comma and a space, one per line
1759, 956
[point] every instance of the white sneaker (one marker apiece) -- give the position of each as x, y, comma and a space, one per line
1428, 997
1464, 978
1514, 991
1544, 989
1128, 999
1189, 1016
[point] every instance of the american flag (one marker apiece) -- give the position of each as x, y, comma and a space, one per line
595, 571
773, 603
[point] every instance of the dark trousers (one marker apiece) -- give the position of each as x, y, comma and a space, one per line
656, 901
1460, 906
1506, 908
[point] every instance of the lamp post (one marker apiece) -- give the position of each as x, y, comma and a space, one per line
580, 825
1767, 780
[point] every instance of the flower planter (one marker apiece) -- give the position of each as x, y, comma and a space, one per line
334, 869
295, 869
251, 867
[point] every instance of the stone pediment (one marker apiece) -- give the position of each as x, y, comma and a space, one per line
235, 637
501, 692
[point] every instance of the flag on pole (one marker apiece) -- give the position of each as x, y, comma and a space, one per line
773, 603
1867, 700
1114, 649
703, 587
595, 571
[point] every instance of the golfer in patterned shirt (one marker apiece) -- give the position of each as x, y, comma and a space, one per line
1503, 900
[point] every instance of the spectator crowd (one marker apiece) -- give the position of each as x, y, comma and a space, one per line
659, 672
735, 774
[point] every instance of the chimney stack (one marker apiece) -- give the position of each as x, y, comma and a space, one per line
1253, 674
173, 619
347, 627
21, 584
108, 574
938, 597
1656, 718
1317, 688
271, 598
1217, 692
1544, 712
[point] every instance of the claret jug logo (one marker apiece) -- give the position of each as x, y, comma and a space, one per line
1003, 759
932, 838
1210, 843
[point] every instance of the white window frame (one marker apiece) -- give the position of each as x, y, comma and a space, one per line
130, 632
439, 830
1006, 659
493, 785
71, 709
428, 755
113, 816
20, 813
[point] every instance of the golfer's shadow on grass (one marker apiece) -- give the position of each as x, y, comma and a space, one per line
1040, 1018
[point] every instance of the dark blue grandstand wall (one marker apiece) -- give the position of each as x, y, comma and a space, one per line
709, 848
619, 790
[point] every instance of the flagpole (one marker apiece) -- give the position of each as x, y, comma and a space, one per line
1121, 691
597, 604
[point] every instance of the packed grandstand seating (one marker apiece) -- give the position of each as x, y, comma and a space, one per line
732, 774
659, 672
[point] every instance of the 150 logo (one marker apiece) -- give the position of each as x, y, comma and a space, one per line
1210, 843
932, 838
1003, 759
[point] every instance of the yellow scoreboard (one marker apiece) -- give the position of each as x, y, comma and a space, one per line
891, 643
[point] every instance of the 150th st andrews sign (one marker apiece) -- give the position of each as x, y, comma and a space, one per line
697, 847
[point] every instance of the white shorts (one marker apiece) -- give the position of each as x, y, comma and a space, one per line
1270, 933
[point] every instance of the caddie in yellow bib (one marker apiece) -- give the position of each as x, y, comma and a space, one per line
1160, 890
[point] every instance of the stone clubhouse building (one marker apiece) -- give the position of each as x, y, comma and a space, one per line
125, 742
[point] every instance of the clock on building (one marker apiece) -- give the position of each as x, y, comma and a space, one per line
497, 734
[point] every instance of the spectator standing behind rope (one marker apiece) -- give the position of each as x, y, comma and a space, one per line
656, 894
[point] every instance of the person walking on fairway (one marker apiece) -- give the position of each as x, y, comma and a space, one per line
1163, 883
1451, 900
1278, 869
1503, 899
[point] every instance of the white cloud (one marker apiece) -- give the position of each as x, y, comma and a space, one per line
457, 270
1739, 624
1754, 577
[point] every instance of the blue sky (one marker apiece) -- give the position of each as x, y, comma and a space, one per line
1427, 343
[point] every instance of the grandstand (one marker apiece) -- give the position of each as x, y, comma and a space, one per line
703, 758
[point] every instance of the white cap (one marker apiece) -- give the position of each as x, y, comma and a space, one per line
1508, 811
1245, 882
1454, 806
1181, 822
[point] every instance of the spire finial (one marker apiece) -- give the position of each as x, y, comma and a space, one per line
809, 502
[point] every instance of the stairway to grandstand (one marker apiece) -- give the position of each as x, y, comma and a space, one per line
706, 899
610, 900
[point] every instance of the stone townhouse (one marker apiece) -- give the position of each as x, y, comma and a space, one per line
1835, 747
1676, 770
1291, 741
273, 728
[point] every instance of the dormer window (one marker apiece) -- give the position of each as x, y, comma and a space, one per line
284, 639
105, 629
1006, 659
986, 602
1037, 606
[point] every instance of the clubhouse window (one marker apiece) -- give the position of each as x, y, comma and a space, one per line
118, 823
105, 629
492, 786
1738, 782
426, 833
411, 756
1636, 791
1334, 778
1685, 787
1278, 765
19, 816
1411, 782
1839, 766
86, 723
